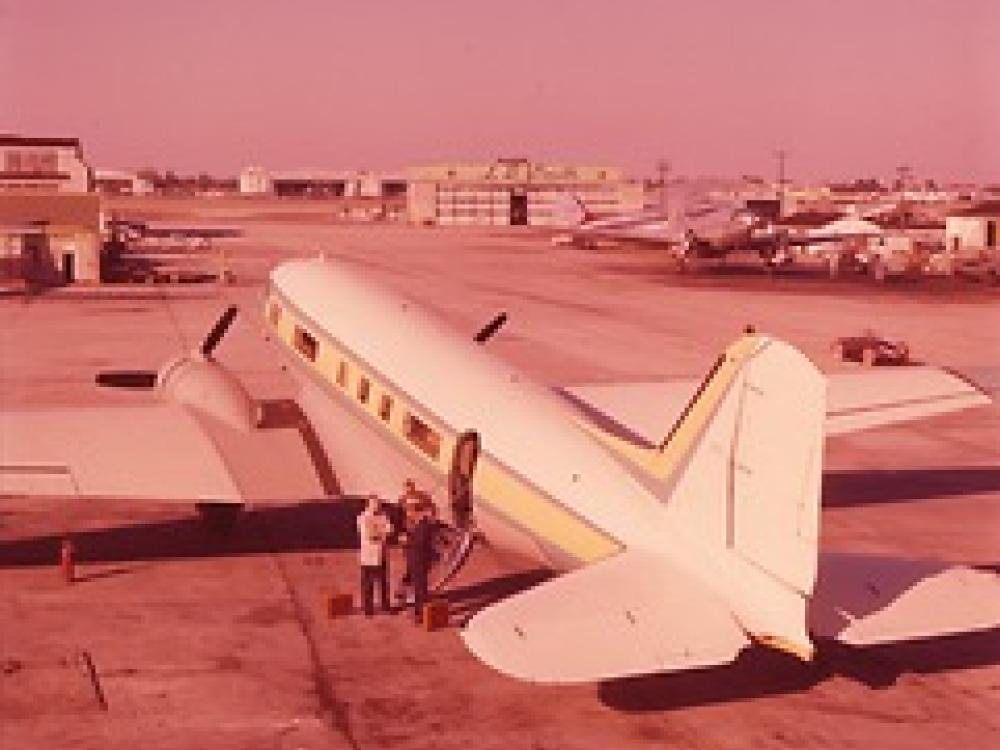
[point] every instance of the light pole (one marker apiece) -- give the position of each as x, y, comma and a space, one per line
663, 170
781, 154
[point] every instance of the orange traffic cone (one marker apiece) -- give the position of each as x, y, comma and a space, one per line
66, 563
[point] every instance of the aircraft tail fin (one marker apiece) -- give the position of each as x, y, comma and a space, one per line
569, 211
741, 472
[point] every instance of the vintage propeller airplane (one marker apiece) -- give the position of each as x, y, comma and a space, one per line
684, 517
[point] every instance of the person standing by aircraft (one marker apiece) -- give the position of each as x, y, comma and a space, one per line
419, 556
405, 515
414, 501
374, 530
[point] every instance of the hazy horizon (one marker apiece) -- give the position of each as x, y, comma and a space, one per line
849, 90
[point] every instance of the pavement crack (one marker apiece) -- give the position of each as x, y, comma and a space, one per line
334, 710
95, 680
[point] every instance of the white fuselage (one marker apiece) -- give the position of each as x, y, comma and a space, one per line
390, 390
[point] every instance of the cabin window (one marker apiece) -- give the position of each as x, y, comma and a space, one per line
364, 390
274, 314
342, 374
305, 343
385, 407
421, 435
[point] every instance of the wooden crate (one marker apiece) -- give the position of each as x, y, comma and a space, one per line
435, 614
339, 605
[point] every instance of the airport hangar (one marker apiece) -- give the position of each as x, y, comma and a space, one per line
515, 192
506, 192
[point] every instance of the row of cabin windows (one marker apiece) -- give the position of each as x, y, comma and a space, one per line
416, 430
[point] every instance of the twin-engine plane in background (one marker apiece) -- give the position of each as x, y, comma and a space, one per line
683, 517
697, 229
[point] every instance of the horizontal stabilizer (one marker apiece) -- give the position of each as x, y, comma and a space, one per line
641, 413
868, 599
631, 614
857, 401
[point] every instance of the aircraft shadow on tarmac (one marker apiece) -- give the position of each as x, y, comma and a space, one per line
465, 601
316, 526
760, 672
846, 488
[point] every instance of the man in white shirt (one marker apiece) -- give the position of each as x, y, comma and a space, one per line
373, 531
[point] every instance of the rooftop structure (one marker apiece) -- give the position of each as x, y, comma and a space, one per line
43, 164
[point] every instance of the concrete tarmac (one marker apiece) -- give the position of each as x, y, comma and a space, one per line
197, 641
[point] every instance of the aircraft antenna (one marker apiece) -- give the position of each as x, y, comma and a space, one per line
489, 330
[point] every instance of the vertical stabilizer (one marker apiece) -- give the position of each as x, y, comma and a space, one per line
743, 468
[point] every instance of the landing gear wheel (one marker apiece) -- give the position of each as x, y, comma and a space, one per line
219, 518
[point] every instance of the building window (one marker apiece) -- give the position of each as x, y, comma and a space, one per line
385, 407
274, 314
364, 390
305, 343
342, 374
421, 435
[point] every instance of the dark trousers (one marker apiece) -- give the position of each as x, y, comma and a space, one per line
418, 577
370, 575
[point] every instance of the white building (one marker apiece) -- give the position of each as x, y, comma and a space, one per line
972, 231
119, 182
49, 238
43, 164
254, 181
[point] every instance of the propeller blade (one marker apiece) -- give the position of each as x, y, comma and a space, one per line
218, 331
135, 379
490, 328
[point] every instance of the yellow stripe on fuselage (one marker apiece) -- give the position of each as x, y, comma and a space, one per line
499, 487
663, 462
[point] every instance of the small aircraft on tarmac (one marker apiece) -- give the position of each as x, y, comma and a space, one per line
684, 517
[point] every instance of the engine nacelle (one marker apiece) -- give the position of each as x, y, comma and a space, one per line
204, 385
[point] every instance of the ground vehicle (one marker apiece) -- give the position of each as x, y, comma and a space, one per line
871, 349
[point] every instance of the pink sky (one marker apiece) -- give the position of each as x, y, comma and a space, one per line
849, 88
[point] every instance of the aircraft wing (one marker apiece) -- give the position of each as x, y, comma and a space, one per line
630, 614
642, 412
161, 451
868, 599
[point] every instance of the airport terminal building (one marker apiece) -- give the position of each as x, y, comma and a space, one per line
514, 192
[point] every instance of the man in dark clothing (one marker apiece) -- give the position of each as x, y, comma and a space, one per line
419, 557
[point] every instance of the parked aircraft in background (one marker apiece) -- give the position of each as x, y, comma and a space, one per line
698, 229
693, 220
684, 516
